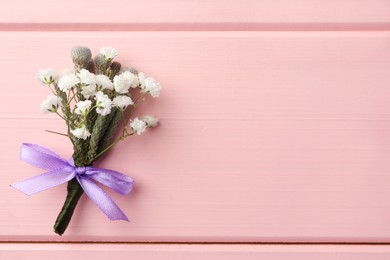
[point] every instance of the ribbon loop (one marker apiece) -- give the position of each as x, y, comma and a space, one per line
114, 180
41, 157
61, 171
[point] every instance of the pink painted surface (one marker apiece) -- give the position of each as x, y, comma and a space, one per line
192, 252
265, 136
195, 15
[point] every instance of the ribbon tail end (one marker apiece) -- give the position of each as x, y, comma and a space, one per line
124, 218
120, 216
16, 186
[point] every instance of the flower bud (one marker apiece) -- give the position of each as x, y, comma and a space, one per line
138, 126
101, 64
150, 121
114, 69
91, 66
81, 56
131, 69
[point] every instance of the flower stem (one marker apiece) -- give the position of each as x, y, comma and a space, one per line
108, 147
57, 133
60, 115
134, 106
52, 90
74, 194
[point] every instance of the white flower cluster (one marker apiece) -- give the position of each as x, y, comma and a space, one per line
50, 104
83, 91
139, 126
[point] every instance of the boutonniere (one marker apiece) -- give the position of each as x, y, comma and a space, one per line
96, 100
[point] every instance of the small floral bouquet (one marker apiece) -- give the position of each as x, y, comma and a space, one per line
96, 100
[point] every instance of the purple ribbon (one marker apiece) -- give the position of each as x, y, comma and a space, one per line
61, 171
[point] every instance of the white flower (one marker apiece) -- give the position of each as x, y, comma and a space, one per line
108, 52
124, 81
122, 101
103, 103
103, 82
86, 77
47, 76
141, 77
88, 90
50, 104
149, 85
81, 132
135, 81
150, 121
68, 81
82, 107
138, 126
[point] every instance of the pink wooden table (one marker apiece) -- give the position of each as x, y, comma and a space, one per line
275, 128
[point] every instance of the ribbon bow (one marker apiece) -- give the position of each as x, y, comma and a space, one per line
61, 171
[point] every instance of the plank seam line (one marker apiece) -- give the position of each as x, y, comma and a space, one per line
202, 243
194, 26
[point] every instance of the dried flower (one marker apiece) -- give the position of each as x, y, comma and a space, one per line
88, 91
138, 126
82, 107
103, 103
86, 77
68, 81
150, 121
115, 68
101, 64
81, 56
47, 76
50, 104
122, 101
149, 85
81, 132
124, 81
108, 52
103, 82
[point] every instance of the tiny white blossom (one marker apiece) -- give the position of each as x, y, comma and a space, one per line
50, 104
103, 82
82, 107
150, 121
138, 126
141, 77
124, 81
88, 91
81, 132
135, 81
108, 52
86, 77
103, 103
68, 81
149, 85
47, 76
122, 101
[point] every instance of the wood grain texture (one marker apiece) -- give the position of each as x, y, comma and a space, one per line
196, 15
192, 252
264, 136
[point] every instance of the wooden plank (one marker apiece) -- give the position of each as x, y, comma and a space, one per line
265, 136
196, 15
209, 252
